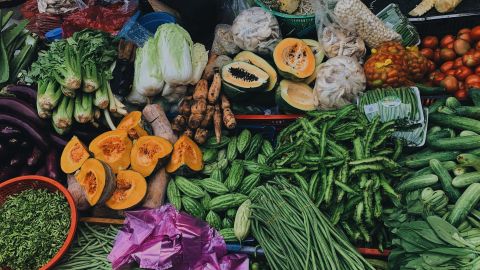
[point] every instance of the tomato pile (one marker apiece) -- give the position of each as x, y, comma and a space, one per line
456, 59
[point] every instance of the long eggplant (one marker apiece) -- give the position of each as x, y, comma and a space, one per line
3, 152
6, 172
26, 170
51, 165
34, 157
26, 146
57, 140
18, 159
25, 93
7, 132
21, 110
38, 137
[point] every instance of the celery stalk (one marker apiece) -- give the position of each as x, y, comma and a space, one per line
69, 74
62, 116
90, 77
50, 97
68, 91
83, 112
101, 97
60, 131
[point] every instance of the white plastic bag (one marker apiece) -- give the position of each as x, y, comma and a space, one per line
256, 30
339, 82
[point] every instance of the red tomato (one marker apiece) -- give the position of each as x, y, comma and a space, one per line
471, 59
436, 77
446, 66
461, 46
447, 54
430, 42
477, 70
475, 33
461, 94
446, 40
466, 37
427, 52
451, 72
437, 58
472, 79
431, 66
477, 46
464, 30
462, 73
450, 83
458, 62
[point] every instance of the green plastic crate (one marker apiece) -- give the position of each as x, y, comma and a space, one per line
292, 25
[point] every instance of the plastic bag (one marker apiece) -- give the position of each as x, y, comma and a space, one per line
256, 30
164, 238
339, 82
230, 9
108, 19
354, 16
338, 41
223, 43
59, 6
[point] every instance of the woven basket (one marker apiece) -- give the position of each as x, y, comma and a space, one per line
292, 25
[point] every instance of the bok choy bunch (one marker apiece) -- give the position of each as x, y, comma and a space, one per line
73, 79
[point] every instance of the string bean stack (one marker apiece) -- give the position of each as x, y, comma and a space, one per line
91, 248
344, 162
296, 235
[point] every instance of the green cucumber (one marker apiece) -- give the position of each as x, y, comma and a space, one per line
454, 121
468, 111
466, 179
445, 179
452, 102
426, 90
420, 160
467, 201
469, 160
435, 105
417, 182
457, 143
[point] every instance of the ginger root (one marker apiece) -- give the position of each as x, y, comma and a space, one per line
201, 90
215, 88
217, 123
188, 132
179, 123
201, 135
208, 116
228, 116
185, 106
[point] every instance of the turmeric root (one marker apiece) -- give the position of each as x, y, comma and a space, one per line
217, 123
208, 116
185, 106
215, 87
188, 132
199, 109
179, 123
201, 90
208, 71
201, 135
228, 116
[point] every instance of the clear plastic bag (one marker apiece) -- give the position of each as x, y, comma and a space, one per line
231, 8
223, 43
256, 30
354, 16
59, 6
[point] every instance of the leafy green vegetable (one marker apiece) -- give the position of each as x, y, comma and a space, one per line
33, 226
62, 116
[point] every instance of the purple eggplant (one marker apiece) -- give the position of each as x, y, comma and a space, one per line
51, 165
18, 159
37, 135
26, 170
8, 132
25, 93
34, 157
21, 110
6, 172
42, 171
57, 140
26, 146
13, 142
4, 153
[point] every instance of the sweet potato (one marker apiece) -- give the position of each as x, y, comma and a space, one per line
201, 90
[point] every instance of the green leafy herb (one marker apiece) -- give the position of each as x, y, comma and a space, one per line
33, 226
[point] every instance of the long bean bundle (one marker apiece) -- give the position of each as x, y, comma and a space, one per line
91, 248
296, 235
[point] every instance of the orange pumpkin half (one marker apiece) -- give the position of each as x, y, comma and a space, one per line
113, 148
131, 189
133, 124
73, 155
185, 153
97, 180
146, 153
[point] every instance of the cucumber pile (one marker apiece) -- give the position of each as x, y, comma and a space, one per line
440, 195
224, 184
